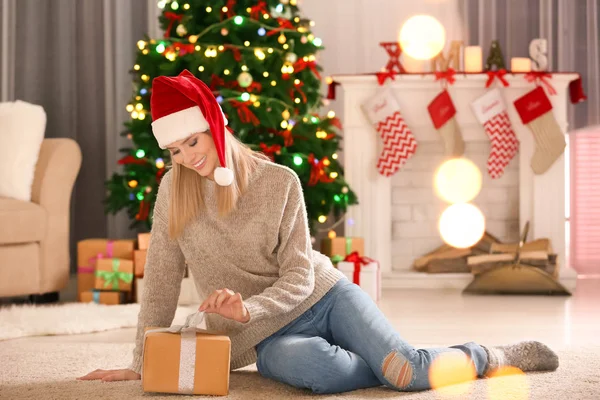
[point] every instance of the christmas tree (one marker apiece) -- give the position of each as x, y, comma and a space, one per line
259, 58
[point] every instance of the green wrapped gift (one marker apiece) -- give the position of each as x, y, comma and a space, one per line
114, 274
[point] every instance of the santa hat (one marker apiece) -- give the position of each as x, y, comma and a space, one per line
182, 105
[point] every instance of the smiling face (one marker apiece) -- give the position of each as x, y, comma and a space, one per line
196, 152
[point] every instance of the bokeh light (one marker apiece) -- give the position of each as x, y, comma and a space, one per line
462, 225
452, 374
508, 383
422, 37
457, 180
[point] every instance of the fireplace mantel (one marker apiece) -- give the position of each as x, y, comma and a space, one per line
541, 197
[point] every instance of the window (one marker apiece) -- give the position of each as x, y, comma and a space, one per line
583, 215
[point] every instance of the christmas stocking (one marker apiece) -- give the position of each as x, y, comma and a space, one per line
399, 143
490, 111
535, 111
442, 113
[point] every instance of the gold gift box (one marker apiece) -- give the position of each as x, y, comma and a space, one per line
342, 246
87, 256
165, 354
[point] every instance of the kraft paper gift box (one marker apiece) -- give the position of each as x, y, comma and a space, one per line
139, 261
143, 241
185, 359
339, 247
114, 274
90, 250
364, 272
103, 297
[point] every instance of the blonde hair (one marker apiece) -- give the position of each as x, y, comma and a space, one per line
186, 201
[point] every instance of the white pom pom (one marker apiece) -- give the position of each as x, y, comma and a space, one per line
223, 176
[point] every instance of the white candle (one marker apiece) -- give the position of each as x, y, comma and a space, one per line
520, 64
473, 59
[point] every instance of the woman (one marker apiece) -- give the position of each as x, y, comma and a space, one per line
241, 224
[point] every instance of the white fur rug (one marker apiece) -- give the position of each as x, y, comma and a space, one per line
18, 321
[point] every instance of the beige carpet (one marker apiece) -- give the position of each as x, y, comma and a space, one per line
46, 368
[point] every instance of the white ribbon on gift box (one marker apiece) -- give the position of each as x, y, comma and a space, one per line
187, 354
349, 267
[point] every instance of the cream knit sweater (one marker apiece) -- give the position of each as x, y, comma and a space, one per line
262, 250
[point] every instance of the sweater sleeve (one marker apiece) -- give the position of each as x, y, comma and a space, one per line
294, 254
162, 275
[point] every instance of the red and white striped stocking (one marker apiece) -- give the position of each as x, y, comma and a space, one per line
490, 111
399, 144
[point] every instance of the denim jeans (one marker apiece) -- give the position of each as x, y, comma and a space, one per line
344, 343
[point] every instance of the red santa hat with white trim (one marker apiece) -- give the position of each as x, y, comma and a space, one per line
182, 105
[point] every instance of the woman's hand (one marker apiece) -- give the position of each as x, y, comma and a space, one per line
111, 375
227, 304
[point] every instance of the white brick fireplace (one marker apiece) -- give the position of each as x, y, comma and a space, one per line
398, 216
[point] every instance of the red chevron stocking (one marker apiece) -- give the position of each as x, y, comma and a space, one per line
399, 144
490, 111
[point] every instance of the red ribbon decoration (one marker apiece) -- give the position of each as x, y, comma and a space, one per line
288, 139
270, 150
230, 13
244, 112
172, 17
216, 82
257, 9
297, 87
384, 76
144, 211
236, 52
132, 160
302, 65
159, 174
541, 77
355, 258
496, 74
254, 86
446, 76
335, 121
317, 171
283, 24
181, 48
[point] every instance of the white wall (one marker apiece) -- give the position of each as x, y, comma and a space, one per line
351, 31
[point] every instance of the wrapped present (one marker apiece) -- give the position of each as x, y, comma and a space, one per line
363, 271
186, 359
114, 274
139, 262
339, 247
90, 250
103, 297
143, 241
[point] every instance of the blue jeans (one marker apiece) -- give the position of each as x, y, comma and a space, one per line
344, 343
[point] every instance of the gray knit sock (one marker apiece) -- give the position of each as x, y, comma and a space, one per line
527, 356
